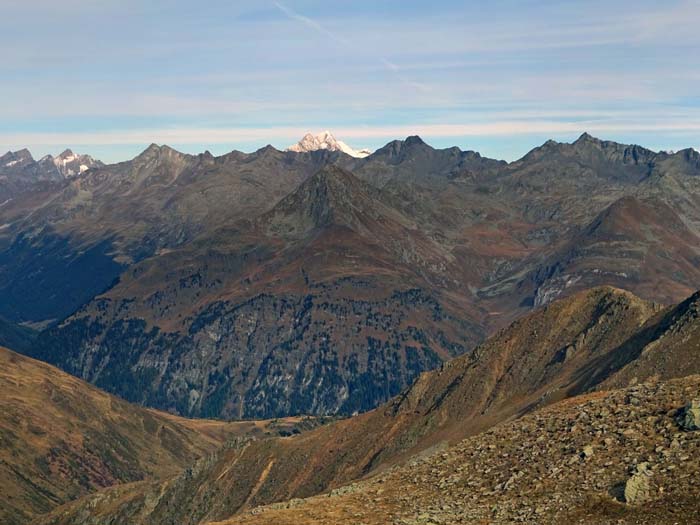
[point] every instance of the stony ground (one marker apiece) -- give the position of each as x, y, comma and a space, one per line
610, 457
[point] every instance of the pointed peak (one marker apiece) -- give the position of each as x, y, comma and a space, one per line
159, 154
586, 137
23, 154
12, 158
66, 153
331, 179
398, 148
688, 153
331, 196
153, 148
414, 140
325, 141
268, 148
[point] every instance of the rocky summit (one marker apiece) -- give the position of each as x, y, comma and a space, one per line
20, 173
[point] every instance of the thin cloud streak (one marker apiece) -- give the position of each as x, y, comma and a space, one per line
293, 15
389, 66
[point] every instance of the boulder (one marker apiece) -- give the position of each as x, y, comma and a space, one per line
638, 488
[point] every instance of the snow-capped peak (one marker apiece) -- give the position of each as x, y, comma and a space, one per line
66, 157
327, 141
70, 164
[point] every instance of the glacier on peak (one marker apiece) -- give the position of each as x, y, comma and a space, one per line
327, 141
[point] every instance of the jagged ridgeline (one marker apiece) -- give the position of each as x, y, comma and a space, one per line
277, 283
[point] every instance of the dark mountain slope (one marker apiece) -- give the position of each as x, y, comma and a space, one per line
16, 336
325, 304
73, 240
643, 246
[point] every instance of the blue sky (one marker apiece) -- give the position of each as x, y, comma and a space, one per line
109, 77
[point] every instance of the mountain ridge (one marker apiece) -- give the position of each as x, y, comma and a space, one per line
429, 250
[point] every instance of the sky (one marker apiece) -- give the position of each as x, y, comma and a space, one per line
109, 77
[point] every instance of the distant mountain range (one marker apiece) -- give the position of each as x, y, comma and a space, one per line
273, 283
20, 172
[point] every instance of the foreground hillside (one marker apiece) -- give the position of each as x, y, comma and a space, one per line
610, 457
567, 348
61, 438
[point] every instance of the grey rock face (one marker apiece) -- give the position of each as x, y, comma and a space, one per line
20, 173
267, 356
690, 417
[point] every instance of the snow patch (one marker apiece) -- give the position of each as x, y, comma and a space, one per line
69, 163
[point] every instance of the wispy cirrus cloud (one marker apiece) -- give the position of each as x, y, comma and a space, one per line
311, 23
348, 43
253, 72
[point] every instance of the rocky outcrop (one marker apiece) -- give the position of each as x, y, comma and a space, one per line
690, 416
